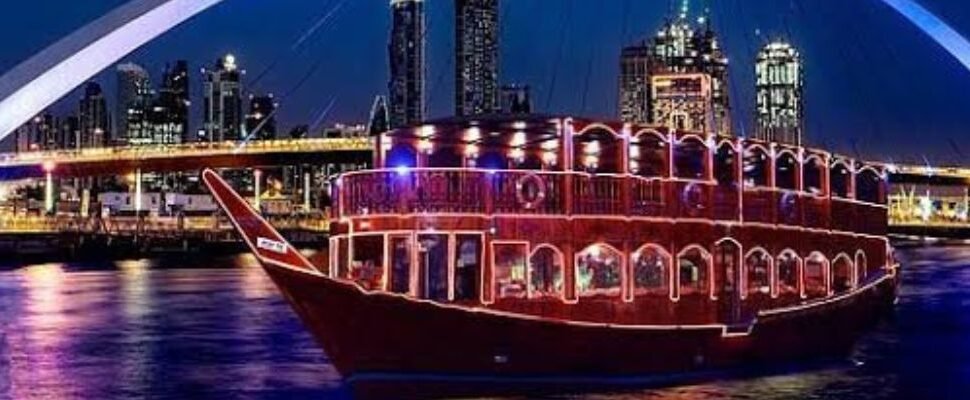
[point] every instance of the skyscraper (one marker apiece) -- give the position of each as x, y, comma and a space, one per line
93, 117
476, 57
173, 97
223, 119
516, 99
407, 59
779, 91
679, 47
131, 107
261, 120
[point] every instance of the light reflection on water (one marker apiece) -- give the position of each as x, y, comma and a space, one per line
141, 328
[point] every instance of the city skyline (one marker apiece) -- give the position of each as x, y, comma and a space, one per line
840, 102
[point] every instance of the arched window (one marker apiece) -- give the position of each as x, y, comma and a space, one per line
546, 278
648, 155
693, 266
757, 166
758, 267
402, 155
599, 271
598, 150
861, 267
816, 275
690, 159
842, 274
869, 187
788, 264
727, 267
786, 171
813, 173
841, 180
651, 270
725, 168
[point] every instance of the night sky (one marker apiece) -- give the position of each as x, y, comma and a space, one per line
875, 84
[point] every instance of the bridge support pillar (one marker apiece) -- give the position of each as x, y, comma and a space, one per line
138, 191
49, 192
258, 192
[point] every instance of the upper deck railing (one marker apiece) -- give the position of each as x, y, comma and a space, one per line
477, 192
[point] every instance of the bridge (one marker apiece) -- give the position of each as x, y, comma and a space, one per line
183, 157
926, 201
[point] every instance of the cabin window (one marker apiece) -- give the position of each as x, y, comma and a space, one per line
546, 278
758, 266
367, 268
445, 156
869, 187
433, 263
813, 171
468, 260
861, 267
816, 281
842, 274
510, 269
400, 274
786, 171
757, 167
492, 160
648, 155
693, 266
599, 271
788, 273
598, 151
690, 159
841, 179
651, 271
725, 165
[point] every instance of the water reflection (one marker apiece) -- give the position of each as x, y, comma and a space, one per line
220, 329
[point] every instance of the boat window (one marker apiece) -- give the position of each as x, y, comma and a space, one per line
786, 171
690, 159
788, 273
758, 266
693, 266
492, 160
725, 167
841, 180
468, 259
402, 155
546, 272
367, 268
648, 155
510, 269
757, 167
861, 267
599, 271
816, 284
433, 267
445, 156
400, 274
598, 151
651, 271
842, 274
869, 187
813, 171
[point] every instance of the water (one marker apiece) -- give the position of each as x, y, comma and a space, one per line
139, 329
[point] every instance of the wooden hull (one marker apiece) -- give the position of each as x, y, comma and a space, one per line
376, 339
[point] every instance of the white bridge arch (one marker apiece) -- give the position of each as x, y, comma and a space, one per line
35, 84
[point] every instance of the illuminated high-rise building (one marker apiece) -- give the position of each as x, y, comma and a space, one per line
223, 112
93, 117
679, 47
407, 62
132, 104
173, 98
476, 57
780, 83
516, 99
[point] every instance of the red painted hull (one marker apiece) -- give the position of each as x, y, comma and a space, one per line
377, 338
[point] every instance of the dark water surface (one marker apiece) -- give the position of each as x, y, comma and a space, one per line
138, 329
